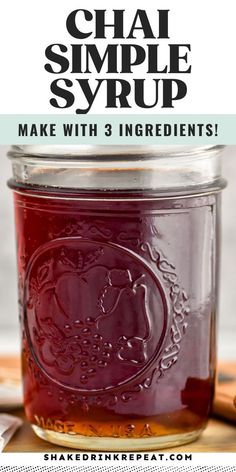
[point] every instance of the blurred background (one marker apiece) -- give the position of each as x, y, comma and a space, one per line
9, 334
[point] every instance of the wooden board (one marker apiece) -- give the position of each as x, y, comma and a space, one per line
219, 436
225, 397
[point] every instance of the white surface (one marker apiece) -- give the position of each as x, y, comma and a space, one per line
10, 341
8, 426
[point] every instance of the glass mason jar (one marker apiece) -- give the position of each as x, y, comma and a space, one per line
118, 251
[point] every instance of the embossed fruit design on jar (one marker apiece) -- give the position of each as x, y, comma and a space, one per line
117, 256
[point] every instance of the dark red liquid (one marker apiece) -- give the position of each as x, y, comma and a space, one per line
117, 302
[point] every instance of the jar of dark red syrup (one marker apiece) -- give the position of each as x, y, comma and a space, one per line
118, 251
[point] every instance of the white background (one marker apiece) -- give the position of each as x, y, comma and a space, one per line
28, 27
9, 337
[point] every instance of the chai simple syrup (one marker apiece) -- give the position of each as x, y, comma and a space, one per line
117, 256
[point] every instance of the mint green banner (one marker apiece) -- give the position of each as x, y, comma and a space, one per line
118, 129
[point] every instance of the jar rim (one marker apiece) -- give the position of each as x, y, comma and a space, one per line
108, 152
121, 168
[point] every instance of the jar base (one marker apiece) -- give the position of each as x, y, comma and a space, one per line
89, 443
